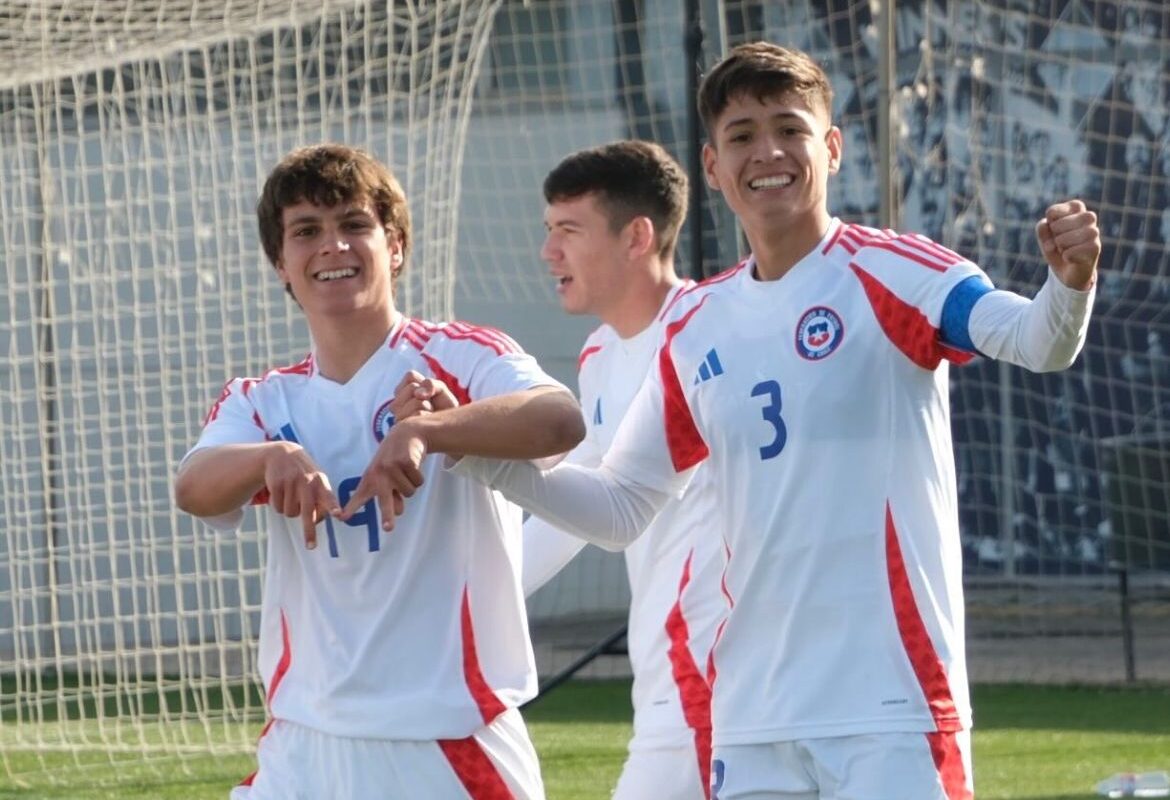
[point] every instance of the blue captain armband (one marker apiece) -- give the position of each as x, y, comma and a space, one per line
954, 327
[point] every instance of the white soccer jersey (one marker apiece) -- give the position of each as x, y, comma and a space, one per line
416, 633
822, 399
673, 568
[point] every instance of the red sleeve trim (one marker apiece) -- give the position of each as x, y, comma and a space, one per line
907, 327
458, 389
686, 444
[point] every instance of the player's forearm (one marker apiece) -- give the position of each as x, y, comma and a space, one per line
220, 480
1043, 334
535, 423
593, 504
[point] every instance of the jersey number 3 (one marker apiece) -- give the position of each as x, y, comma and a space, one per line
771, 413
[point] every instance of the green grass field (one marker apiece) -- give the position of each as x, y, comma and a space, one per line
1031, 743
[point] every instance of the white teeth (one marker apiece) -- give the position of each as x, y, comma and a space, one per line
771, 182
334, 274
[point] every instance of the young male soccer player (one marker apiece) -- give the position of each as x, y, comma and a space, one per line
393, 661
613, 218
840, 671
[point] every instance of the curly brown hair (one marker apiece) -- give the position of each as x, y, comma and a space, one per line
327, 175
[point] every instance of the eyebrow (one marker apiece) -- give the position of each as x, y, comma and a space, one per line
783, 115
313, 217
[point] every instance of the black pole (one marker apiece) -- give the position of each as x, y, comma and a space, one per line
694, 56
1126, 623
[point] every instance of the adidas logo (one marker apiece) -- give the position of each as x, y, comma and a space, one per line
709, 368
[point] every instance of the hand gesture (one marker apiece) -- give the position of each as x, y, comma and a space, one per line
297, 487
417, 394
1071, 243
392, 475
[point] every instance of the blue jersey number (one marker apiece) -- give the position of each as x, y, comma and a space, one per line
771, 413
368, 516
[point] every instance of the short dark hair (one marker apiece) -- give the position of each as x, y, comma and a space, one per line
327, 175
631, 178
764, 71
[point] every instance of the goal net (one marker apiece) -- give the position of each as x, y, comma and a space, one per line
135, 137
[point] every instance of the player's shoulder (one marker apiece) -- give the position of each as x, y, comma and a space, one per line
597, 343
290, 374
686, 304
455, 336
252, 390
882, 248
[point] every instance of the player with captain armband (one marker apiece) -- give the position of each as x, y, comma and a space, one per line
840, 671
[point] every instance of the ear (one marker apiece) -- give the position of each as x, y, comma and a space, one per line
640, 232
397, 253
836, 144
710, 157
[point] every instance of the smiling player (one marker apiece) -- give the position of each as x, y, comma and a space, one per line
393, 661
813, 381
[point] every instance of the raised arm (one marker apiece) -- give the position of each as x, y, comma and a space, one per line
529, 424
1046, 333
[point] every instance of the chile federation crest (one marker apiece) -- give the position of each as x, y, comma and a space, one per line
819, 333
383, 420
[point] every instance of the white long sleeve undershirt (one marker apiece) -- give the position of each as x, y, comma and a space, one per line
610, 510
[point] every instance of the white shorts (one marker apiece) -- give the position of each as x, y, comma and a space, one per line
663, 774
297, 763
885, 766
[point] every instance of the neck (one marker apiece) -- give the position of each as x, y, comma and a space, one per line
640, 303
779, 247
342, 346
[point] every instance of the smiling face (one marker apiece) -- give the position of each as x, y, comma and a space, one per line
771, 158
585, 256
338, 260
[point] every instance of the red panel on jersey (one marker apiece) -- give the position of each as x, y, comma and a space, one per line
693, 689
686, 444
457, 389
475, 770
906, 326
285, 659
490, 706
932, 676
949, 761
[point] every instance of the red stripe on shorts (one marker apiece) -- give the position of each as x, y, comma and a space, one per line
475, 770
948, 759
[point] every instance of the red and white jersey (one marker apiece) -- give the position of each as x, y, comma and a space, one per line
822, 401
674, 567
416, 633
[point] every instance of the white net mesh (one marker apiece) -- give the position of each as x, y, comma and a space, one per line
136, 136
